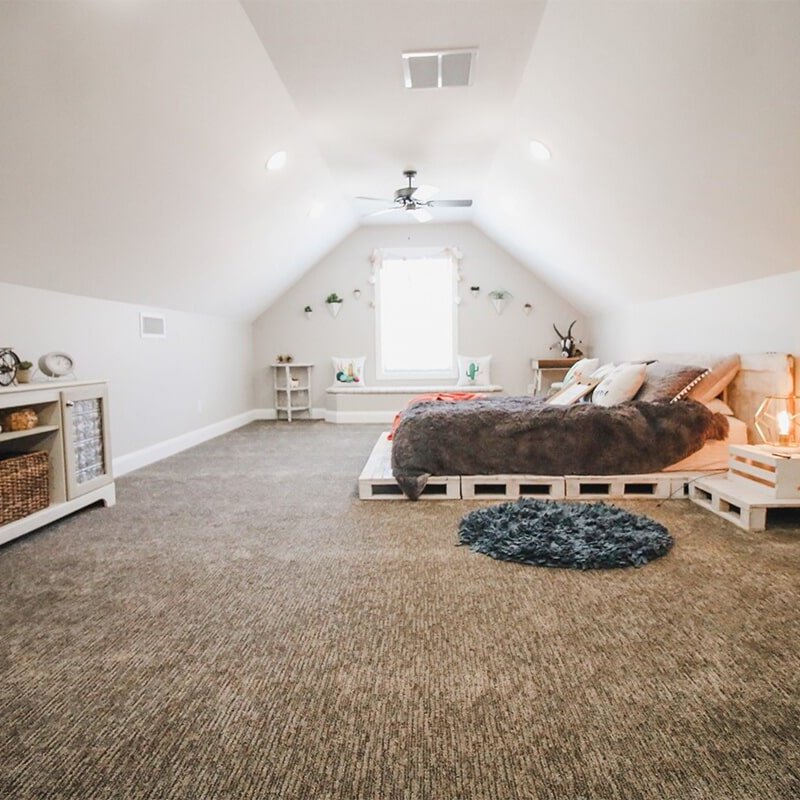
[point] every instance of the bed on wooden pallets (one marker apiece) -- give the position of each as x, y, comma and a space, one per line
520, 447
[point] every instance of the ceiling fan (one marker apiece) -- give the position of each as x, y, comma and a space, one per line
416, 200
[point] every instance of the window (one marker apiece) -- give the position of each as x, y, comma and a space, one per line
416, 318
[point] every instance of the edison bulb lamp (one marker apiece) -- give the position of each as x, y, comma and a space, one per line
777, 421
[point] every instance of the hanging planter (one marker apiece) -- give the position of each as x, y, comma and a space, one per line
499, 298
308, 311
334, 303
527, 308
475, 290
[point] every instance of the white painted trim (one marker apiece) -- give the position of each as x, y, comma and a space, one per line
355, 417
155, 452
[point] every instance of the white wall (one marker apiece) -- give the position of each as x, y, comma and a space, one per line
755, 316
512, 338
155, 384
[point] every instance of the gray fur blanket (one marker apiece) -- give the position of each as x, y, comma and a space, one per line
522, 435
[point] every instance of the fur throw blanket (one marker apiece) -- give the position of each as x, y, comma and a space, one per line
522, 435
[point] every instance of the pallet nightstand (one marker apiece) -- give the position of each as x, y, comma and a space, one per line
758, 479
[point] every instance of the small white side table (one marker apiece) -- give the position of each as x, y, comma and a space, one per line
292, 388
555, 365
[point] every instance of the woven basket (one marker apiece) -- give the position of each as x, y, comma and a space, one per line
23, 486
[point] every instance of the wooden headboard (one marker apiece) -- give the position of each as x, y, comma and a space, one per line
761, 374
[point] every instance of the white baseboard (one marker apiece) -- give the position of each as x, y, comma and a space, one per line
169, 447
270, 413
354, 417
155, 452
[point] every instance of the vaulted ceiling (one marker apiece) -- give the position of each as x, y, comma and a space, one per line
135, 134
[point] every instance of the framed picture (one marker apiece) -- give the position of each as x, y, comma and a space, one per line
571, 393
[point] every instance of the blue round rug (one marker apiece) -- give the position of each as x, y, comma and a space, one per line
553, 533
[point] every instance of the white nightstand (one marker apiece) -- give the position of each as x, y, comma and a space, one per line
758, 478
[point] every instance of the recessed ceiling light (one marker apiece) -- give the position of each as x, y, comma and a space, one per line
539, 151
276, 160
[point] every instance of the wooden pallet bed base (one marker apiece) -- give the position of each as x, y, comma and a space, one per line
742, 505
377, 482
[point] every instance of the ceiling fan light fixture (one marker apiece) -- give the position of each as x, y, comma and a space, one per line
539, 151
277, 161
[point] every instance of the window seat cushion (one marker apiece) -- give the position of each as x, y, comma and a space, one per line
409, 389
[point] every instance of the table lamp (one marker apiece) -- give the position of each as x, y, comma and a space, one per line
777, 421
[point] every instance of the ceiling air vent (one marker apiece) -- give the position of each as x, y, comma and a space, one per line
437, 69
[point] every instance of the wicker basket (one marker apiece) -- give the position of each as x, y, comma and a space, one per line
23, 486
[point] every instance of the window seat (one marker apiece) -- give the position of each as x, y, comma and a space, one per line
381, 403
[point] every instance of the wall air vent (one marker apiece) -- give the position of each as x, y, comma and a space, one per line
438, 69
152, 326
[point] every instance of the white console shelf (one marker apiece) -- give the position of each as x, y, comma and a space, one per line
73, 430
292, 388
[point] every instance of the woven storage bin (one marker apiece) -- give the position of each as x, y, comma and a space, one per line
23, 486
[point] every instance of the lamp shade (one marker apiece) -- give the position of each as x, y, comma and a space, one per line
777, 421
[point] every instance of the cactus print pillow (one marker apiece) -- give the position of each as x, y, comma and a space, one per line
474, 371
348, 371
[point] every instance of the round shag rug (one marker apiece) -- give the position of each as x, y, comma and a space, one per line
552, 533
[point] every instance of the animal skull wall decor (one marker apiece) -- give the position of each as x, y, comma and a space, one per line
567, 344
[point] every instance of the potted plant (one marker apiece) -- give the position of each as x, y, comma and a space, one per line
334, 303
308, 311
475, 290
499, 298
24, 372
527, 308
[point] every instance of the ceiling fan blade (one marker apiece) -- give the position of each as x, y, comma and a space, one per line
451, 203
421, 214
422, 194
377, 199
383, 211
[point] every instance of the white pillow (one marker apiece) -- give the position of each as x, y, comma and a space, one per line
581, 370
601, 372
474, 371
620, 385
348, 371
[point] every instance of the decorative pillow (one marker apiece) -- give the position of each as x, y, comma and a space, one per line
620, 385
718, 407
474, 371
581, 370
722, 371
348, 371
601, 372
668, 383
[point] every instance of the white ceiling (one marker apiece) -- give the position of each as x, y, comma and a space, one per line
134, 136
341, 63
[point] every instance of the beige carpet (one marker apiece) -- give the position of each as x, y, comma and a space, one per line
241, 626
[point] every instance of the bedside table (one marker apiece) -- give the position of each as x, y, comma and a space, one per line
560, 366
758, 479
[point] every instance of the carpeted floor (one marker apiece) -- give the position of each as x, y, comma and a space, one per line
241, 626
